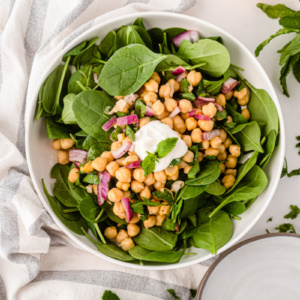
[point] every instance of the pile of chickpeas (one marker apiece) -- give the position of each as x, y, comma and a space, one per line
189, 129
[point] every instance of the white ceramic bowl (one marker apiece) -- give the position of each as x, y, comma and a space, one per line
39, 150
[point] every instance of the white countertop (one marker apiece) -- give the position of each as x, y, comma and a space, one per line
251, 26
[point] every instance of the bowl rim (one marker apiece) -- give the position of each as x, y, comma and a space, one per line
231, 250
30, 112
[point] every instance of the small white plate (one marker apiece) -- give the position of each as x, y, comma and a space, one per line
266, 267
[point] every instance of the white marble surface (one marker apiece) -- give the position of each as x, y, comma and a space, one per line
251, 26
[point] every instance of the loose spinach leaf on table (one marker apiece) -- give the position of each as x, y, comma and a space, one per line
109, 295
275, 11
128, 69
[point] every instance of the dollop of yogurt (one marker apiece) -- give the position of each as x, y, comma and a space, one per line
148, 137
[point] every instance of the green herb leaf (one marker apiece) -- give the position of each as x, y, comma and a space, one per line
148, 164
295, 210
294, 173
109, 295
185, 84
130, 133
175, 162
193, 292
165, 147
140, 108
275, 11
165, 195
286, 227
172, 292
291, 20
284, 169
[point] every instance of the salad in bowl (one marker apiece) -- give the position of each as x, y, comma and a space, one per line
160, 142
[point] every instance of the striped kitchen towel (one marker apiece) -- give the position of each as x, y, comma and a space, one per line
38, 261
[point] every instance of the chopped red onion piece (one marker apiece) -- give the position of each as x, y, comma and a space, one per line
200, 101
121, 151
181, 76
202, 117
174, 113
99, 187
228, 85
207, 99
126, 204
218, 106
208, 135
76, 163
130, 99
192, 113
149, 111
127, 120
105, 181
179, 70
135, 164
96, 78
78, 155
109, 124
190, 35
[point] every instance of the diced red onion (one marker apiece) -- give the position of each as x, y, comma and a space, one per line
121, 151
218, 106
192, 113
228, 85
130, 99
202, 117
179, 70
96, 78
181, 76
105, 181
135, 164
207, 99
78, 155
177, 227
174, 113
99, 187
109, 124
149, 111
127, 120
76, 163
208, 135
126, 204
201, 101
190, 35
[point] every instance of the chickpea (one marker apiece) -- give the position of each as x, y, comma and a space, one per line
95, 188
168, 122
123, 174
119, 210
99, 164
182, 164
231, 172
133, 230
149, 179
63, 157
206, 125
164, 115
227, 142
164, 210
153, 210
158, 108
186, 169
115, 195
221, 149
179, 125
165, 91
191, 123
194, 78
235, 150
211, 152
216, 142
179, 134
126, 194
222, 156
174, 177
205, 144
144, 121
231, 162
209, 110
222, 167
160, 176
56, 145
229, 119
174, 84
244, 101
158, 185
228, 181
184, 116
188, 140
145, 193
143, 93
188, 157
135, 219
150, 222
127, 140
246, 113
196, 135
124, 186
115, 145
110, 232
121, 137
159, 220
170, 104
130, 159
138, 174
67, 143
229, 95
150, 97
155, 77
73, 175
122, 235
112, 168
223, 135
151, 86
201, 156
87, 168
137, 186
240, 94
108, 155
185, 106
171, 171
127, 244
221, 100
121, 161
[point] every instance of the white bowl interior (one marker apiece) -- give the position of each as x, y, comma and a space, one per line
41, 157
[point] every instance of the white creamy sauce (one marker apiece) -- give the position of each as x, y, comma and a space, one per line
148, 137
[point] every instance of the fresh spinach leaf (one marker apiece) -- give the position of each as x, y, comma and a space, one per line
291, 20
237, 117
107, 45
67, 115
215, 188
235, 208
91, 178
85, 76
165, 195
89, 209
275, 11
269, 147
190, 191
97, 149
140, 108
171, 63
56, 130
